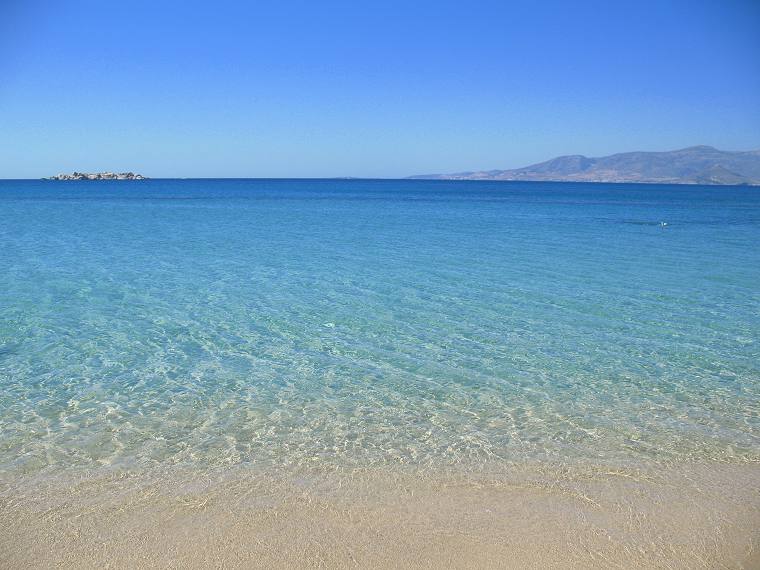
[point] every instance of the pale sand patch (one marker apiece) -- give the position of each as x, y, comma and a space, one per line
531, 516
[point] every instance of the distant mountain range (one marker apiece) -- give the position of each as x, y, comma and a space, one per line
693, 165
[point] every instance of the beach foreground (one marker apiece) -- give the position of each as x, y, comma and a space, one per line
529, 516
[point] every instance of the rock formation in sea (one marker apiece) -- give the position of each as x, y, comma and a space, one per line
98, 176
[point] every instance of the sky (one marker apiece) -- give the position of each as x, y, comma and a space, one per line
370, 89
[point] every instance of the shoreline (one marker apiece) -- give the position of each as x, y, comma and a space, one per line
528, 515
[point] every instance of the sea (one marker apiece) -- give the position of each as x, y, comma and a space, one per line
342, 324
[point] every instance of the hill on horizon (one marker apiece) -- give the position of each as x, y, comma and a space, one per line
692, 165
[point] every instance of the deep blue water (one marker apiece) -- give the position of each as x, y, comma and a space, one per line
348, 322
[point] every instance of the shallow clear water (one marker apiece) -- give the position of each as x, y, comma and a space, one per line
307, 323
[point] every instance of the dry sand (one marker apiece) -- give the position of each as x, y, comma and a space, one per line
529, 516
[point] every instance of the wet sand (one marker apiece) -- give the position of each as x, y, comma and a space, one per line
527, 516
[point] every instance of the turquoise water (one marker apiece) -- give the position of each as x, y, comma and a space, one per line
362, 323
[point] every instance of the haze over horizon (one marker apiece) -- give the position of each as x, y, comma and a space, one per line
299, 90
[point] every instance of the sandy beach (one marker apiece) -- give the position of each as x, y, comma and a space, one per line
524, 516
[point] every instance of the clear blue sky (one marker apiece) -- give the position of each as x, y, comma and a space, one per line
223, 88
